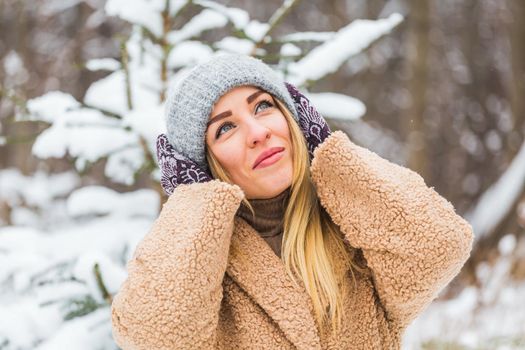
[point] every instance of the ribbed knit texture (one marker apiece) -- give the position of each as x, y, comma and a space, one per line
269, 218
191, 99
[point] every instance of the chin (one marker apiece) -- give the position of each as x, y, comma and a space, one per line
277, 187
270, 189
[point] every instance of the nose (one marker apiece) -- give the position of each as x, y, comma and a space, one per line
257, 132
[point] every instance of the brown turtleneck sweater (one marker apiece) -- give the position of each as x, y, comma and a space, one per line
269, 218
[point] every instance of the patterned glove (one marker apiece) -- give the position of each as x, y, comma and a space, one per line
175, 168
313, 125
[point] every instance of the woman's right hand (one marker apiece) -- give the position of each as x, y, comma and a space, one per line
314, 127
177, 169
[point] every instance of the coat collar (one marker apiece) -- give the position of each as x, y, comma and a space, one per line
254, 267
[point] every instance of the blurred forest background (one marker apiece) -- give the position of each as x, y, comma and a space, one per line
444, 91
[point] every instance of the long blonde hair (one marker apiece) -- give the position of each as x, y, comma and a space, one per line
312, 245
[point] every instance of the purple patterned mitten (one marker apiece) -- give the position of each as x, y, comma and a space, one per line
175, 168
313, 125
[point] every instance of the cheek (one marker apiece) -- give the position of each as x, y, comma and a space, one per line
281, 128
230, 157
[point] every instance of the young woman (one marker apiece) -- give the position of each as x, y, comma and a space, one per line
278, 233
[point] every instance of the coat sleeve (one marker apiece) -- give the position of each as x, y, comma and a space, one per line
171, 297
413, 241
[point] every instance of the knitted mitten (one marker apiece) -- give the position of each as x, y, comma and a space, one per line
175, 168
313, 125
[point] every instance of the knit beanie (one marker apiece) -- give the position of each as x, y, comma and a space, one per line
191, 99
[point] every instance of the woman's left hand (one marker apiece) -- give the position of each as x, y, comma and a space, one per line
313, 125
175, 168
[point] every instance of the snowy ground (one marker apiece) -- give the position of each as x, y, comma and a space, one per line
468, 323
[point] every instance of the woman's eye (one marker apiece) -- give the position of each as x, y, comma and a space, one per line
266, 103
262, 103
222, 128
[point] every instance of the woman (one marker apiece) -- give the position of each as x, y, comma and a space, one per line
278, 233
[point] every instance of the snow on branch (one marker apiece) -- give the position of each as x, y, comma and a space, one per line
337, 106
348, 41
485, 216
205, 20
238, 17
307, 36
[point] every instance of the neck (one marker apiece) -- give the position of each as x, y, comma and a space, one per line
269, 213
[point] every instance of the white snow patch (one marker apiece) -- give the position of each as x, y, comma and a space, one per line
337, 106
348, 41
207, 19
110, 64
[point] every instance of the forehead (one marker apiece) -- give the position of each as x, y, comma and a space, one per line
238, 92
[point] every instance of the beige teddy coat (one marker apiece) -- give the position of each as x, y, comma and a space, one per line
186, 289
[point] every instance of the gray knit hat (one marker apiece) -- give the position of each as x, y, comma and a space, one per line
191, 100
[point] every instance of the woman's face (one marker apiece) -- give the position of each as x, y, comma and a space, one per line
244, 123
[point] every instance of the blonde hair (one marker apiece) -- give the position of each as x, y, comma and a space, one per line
312, 246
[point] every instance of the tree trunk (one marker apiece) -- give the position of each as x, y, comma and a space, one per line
414, 121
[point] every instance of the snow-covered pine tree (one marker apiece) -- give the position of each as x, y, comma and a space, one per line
58, 280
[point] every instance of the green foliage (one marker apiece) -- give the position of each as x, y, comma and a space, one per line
80, 307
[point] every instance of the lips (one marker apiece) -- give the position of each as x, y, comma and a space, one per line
266, 154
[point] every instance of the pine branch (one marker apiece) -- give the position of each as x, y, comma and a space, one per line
125, 68
166, 26
100, 283
102, 110
276, 18
81, 307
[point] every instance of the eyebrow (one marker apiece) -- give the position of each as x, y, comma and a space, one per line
229, 112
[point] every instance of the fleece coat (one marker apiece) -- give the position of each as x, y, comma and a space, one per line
202, 278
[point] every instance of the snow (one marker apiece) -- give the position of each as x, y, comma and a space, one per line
188, 53
99, 200
103, 64
238, 17
290, 49
307, 36
141, 12
484, 216
507, 244
13, 64
486, 317
88, 135
51, 105
337, 106
256, 30
44, 271
89, 143
122, 165
85, 333
205, 20
111, 273
38, 190
109, 93
41, 192
31, 253
121, 145
24, 322
348, 41
147, 122
233, 44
